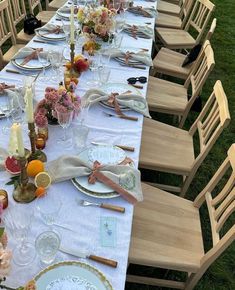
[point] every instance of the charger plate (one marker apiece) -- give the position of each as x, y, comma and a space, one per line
105, 154
72, 275
117, 88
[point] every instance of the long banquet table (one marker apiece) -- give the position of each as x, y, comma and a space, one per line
85, 220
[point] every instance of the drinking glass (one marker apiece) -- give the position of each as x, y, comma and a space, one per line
94, 66
47, 245
66, 29
18, 221
104, 74
64, 119
43, 59
49, 208
56, 58
80, 133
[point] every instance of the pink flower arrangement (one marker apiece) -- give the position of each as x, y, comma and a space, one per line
62, 99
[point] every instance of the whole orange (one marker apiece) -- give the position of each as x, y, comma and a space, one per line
40, 191
34, 167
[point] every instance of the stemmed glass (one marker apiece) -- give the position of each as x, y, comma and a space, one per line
43, 59
94, 61
18, 221
64, 119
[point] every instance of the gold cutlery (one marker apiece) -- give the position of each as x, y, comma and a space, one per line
132, 65
39, 41
21, 73
102, 205
121, 116
124, 147
137, 86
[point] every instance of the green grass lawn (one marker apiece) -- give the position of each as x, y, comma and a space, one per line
221, 275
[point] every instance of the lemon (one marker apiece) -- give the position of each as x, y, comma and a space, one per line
42, 179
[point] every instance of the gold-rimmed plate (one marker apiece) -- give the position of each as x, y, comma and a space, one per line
72, 275
32, 65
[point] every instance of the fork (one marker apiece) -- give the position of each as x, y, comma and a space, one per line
102, 205
121, 116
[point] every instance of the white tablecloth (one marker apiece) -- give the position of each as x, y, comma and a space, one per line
85, 221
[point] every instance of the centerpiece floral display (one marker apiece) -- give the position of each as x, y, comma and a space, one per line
97, 24
62, 98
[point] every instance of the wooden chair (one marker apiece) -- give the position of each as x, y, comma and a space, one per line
175, 21
54, 5
7, 33
44, 16
172, 98
169, 62
167, 233
169, 8
170, 149
18, 13
182, 38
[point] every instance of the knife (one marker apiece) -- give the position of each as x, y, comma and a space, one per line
84, 255
127, 148
121, 116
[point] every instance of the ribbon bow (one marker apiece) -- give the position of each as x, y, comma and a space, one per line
4, 86
32, 55
128, 55
97, 175
55, 30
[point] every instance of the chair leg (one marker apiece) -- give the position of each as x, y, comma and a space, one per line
187, 181
192, 280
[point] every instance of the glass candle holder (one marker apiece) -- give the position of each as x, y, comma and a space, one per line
40, 142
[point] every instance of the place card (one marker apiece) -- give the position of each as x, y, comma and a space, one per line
108, 231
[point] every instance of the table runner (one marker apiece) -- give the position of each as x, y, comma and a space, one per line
102, 129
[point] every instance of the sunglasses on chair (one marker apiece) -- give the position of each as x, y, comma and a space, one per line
133, 80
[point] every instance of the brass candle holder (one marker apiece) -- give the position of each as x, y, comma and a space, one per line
35, 154
72, 54
25, 191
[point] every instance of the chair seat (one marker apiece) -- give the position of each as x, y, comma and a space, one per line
166, 232
166, 97
11, 52
56, 4
168, 8
166, 148
169, 62
169, 21
45, 16
175, 38
24, 37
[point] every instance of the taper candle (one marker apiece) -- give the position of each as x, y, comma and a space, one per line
72, 25
19, 138
29, 105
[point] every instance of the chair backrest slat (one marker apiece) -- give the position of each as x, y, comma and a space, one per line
211, 30
199, 17
6, 29
18, 10
229, 185
33, 4
225, 203
185, 11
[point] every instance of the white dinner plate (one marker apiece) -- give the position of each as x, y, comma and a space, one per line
106, 155
51, 36
33, 64
117, 88
72, 275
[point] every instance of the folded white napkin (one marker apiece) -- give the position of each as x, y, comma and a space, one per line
23, 52
141, 56
3, 156
68, 167
146, 30
128, 99
146, 12
49, 28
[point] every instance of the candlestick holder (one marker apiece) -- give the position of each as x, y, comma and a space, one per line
72, 48
25, 191
35, 154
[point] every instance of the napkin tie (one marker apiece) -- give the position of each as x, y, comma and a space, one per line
97, 175
55, 30
32, 55
4, 86
113, 102
144, 12
134, 30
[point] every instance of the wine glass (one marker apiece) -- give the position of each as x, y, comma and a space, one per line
43, 59
66, 29
64, 119
94, 60
18, 221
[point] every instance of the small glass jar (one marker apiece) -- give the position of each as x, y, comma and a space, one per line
43, 131
40, 142
4, 198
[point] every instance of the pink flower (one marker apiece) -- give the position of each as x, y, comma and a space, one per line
4, 240
31, 285
41, 120
5, 260
42, 111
